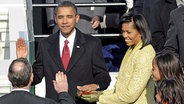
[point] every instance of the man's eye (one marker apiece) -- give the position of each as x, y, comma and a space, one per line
60, 17
128, 32
70, 16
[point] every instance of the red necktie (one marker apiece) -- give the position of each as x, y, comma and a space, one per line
65, 55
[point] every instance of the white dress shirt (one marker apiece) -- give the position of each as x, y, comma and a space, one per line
70, 39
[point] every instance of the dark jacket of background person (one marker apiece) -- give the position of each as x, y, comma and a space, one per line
143, 7
86, 65
115, 12
147, 6
138, 6
159, 22
24, 97
175, 36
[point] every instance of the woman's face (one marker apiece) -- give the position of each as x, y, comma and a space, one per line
158, 98
155, 71
130, 34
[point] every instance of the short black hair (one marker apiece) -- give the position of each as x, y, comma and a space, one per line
66, 4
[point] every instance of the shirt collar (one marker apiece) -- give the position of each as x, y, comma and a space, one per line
20, 89
70, 38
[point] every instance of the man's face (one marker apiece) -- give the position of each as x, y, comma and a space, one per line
66, 19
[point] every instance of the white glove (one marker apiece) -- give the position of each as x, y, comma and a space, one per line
129, 4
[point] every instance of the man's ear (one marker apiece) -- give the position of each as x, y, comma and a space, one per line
8, 77
77, 18
55, 18
31, 78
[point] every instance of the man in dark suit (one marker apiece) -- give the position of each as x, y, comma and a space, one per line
175, 34
21, 76
159, 22
86, 70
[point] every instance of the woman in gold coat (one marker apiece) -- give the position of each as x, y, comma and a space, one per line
134, 84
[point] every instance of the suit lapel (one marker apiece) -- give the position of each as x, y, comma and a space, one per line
78, 49
54, 51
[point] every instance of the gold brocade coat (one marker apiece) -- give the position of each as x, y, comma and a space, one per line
134, 84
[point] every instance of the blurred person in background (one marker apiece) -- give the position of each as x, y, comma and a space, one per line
159, 21
174, 40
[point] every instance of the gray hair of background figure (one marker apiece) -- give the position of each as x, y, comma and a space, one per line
20, 72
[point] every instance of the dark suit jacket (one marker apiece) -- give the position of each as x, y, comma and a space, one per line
159, 22
175, 35
24, 97
147, 6
86, 65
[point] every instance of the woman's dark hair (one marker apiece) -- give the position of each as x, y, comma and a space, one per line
140, 24
170, 91
170, 66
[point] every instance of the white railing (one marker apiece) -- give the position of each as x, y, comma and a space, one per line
5, 86
82, 4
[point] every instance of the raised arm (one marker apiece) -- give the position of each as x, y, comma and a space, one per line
60, 82
21, 48
61, 87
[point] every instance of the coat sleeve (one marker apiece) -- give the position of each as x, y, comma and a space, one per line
38, 66
99, 11
100, 72
157, 27
171, 40
63, 98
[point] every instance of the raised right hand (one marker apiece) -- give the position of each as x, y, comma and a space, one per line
21, 48
60, 82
